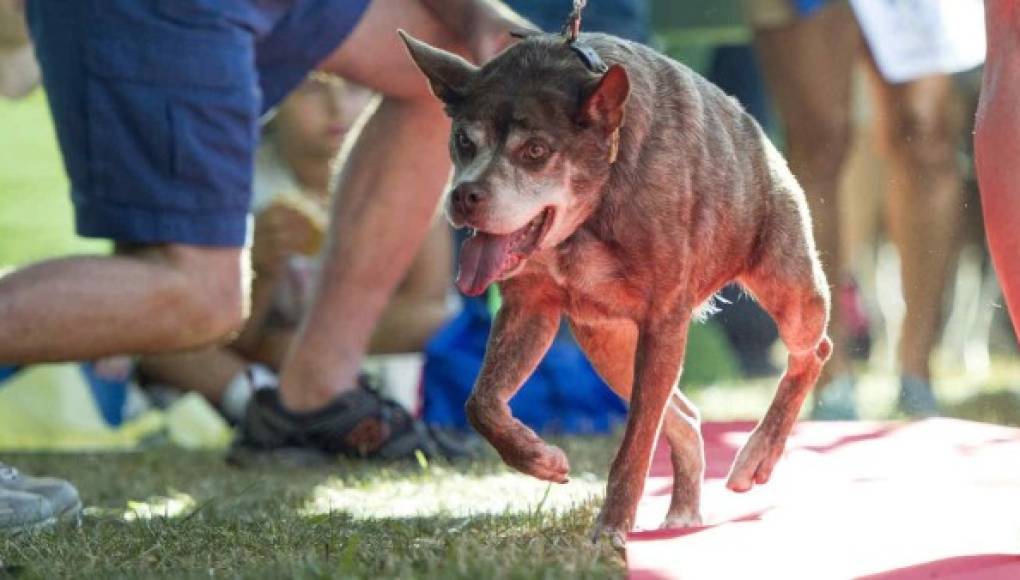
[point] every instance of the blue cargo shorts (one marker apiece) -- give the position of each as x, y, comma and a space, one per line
157, 104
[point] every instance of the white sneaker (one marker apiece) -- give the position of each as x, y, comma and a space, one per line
60, 496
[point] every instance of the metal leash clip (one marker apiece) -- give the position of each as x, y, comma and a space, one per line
571, 31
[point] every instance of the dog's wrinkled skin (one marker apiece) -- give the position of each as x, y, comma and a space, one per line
627, 251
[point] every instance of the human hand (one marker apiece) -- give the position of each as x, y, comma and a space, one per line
483, 25
114, 368
282, 231
490, 33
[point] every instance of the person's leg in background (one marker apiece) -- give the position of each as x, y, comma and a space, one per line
229, 375
88, 307
177, 280
921, 127
808, 65
388, 189
997, 146
419, 306
387, 195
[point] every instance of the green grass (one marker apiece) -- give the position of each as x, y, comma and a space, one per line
173, 514
35, 208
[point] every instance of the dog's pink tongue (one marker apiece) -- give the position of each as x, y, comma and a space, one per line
481, 261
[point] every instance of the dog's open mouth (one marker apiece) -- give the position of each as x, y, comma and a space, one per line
485, 258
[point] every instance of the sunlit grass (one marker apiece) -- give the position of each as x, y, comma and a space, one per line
170, 506
448, 493
36, 219
192, 516
994, 397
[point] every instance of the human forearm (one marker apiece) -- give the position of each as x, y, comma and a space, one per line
477, 22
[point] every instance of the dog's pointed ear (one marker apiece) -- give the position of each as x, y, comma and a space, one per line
604, 104
448, 73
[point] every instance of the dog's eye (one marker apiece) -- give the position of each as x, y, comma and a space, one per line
464, 143
535, 150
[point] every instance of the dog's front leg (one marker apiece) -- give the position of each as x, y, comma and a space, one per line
521, 334
658, 360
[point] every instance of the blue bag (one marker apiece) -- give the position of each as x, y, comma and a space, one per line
808, 7
564, 395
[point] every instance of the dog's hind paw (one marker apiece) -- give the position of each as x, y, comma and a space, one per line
755, 462
680, 521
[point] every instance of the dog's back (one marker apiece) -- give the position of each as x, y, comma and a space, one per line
691, 152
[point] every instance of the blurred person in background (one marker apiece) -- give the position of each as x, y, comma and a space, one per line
808, 50
160, 158
294, 170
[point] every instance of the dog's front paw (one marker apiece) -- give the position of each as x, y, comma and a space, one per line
545, 462
755, 462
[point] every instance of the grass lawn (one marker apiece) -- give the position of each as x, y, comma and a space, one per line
35, 207
174, 514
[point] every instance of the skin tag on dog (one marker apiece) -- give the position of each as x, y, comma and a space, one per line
911, 39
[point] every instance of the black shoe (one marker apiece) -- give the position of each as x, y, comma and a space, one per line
359, 424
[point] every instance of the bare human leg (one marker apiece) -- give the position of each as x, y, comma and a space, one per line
809, 68
387, 195
921, 125
142, 301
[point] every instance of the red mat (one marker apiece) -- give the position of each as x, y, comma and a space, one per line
938, 498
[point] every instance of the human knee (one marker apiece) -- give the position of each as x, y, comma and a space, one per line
925, 135
209, 293
822, 139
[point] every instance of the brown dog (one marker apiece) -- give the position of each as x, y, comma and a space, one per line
623, 200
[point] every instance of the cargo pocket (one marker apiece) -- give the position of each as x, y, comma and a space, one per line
172, 119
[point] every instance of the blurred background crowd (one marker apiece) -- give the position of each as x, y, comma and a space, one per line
878, 136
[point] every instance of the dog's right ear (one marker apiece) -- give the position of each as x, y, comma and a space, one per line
605, 102
448, 73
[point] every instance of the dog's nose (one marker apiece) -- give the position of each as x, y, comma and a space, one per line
466, 197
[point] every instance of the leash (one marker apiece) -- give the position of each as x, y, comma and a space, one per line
591, 59
573, 26
570, 33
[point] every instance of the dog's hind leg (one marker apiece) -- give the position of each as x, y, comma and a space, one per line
795, 294
610, 347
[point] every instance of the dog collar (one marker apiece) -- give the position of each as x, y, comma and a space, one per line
591, 59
